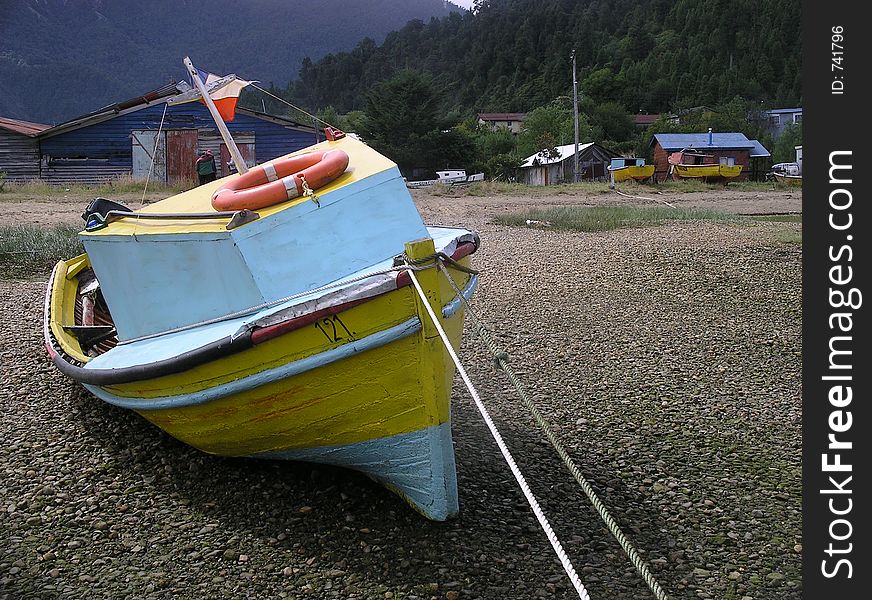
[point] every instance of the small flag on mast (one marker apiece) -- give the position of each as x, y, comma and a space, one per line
224, 92
224, 95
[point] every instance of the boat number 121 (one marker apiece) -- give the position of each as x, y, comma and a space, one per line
333, 329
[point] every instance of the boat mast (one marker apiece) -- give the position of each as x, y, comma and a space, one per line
222, 126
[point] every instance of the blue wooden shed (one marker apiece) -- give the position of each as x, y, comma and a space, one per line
146, 137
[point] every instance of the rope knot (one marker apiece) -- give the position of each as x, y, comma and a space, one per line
309, 193
499, 358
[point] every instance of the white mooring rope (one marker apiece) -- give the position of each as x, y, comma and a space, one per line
501, 362
543, 521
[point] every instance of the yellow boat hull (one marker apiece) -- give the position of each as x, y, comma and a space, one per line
355, 386
706, 171
639, 173
788, 180
292, 332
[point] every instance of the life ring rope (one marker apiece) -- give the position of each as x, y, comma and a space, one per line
280, 180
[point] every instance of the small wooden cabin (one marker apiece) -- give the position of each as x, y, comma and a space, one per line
19, 150
541, 169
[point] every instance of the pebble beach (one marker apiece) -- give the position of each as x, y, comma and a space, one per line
666, 359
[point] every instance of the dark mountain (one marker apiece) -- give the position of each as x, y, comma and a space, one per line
63, 58
514, 55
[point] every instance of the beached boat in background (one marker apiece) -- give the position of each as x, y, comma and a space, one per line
624, 169
449, 177
282, 326
787, 180
785, 174
691, 164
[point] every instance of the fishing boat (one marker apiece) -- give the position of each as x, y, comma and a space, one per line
270, 314
786, 174
625, 169
783, 179
450, 178
691, 164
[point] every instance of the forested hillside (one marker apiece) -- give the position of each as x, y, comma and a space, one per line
514, 55
62, 58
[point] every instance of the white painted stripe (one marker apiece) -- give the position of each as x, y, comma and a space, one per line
290, 186
270, 172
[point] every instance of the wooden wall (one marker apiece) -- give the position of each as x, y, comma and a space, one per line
103, 150
19, 156
593, 165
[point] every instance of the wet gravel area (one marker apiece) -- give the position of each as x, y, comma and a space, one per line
666, 359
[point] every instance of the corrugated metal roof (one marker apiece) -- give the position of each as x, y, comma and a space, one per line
109, 111
157, 96
758, 151
23, 127
645, 119
562, 153
723, 141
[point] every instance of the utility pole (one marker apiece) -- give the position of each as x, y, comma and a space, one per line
575, 116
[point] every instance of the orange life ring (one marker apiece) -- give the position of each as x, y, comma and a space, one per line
280, 180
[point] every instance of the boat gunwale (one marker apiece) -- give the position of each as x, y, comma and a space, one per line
217, 349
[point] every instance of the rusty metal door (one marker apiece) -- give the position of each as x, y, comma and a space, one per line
182, 156
245, 148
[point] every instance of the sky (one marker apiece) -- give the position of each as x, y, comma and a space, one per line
463, 3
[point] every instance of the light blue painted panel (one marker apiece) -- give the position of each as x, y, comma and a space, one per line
419, 466
158, 283
309, 246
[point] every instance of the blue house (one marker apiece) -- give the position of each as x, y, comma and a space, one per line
146, 137
779, 118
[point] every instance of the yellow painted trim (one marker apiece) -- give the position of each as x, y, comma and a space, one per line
633, 171
708, 171
62, 305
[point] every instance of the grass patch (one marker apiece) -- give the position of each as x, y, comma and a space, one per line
502, 188
28, 250
519, 189
786, 218
123, 184
607, 218
788, 237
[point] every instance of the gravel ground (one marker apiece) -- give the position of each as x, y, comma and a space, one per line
667, 360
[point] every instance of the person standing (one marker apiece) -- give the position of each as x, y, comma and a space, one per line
206, 170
